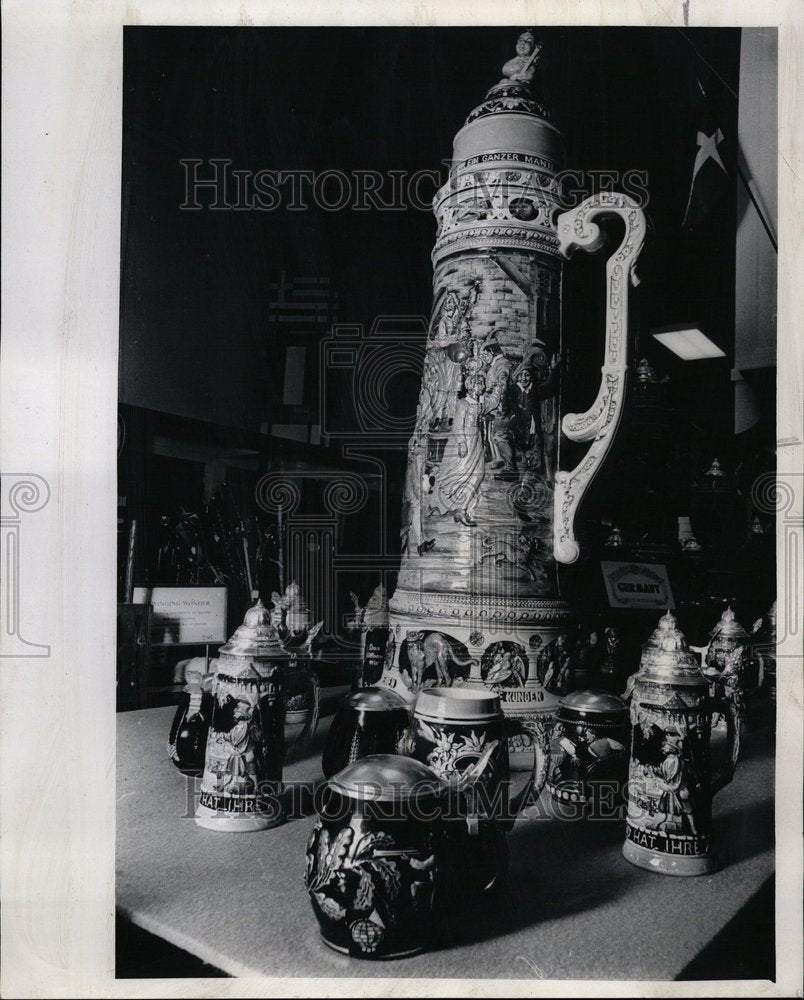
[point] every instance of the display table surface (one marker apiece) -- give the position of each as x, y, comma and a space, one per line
574, 908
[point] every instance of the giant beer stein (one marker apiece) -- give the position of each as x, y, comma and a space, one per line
486, 513
670, 780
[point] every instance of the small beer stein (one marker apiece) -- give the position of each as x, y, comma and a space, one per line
670, 784
241, 789
368, 721
589, 751
727, 659
372, 622
451, 728
450, 731
187, 742
378, 857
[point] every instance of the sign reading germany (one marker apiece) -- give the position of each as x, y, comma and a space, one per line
637, 585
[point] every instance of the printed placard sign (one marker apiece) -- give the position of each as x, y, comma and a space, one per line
185, 616
637, 585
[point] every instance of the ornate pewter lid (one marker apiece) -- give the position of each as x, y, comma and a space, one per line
386, 778
297, 610
256, 636
375, 699
729, 628
615, 539
666, 655
291, 615
592, 706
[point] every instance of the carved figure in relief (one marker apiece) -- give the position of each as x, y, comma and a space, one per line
677, 783
463, 462
545, 375
560, 674
495, 405
446, 374
417, 483
432, 650
449, 347
523, 407
524, 552
429, 398
243, 738
507, 669
522, 67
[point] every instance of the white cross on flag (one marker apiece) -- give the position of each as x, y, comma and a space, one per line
709, 174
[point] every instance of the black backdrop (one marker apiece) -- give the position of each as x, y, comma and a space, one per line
194, 296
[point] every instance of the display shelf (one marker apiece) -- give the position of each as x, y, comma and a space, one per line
572, 908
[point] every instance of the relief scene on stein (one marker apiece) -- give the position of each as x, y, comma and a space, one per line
478, 495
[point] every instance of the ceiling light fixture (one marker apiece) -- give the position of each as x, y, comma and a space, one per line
688, 342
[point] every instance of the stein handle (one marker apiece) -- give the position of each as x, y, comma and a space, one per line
599, 423
466, 783
536, 734
731, 710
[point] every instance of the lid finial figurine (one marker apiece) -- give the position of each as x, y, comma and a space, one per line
487, 512
670, 783
522, 67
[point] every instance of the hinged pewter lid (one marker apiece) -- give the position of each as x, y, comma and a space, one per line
729, 628
290, 611
592, 706
667, 657
256, 637
387, 778
375, 699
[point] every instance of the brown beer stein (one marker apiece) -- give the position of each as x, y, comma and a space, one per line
379, 860
368, 721
187, 741
450, 731
589, 752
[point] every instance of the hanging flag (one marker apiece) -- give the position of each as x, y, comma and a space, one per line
710, 178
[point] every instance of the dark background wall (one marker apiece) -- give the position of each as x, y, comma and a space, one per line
194, 302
